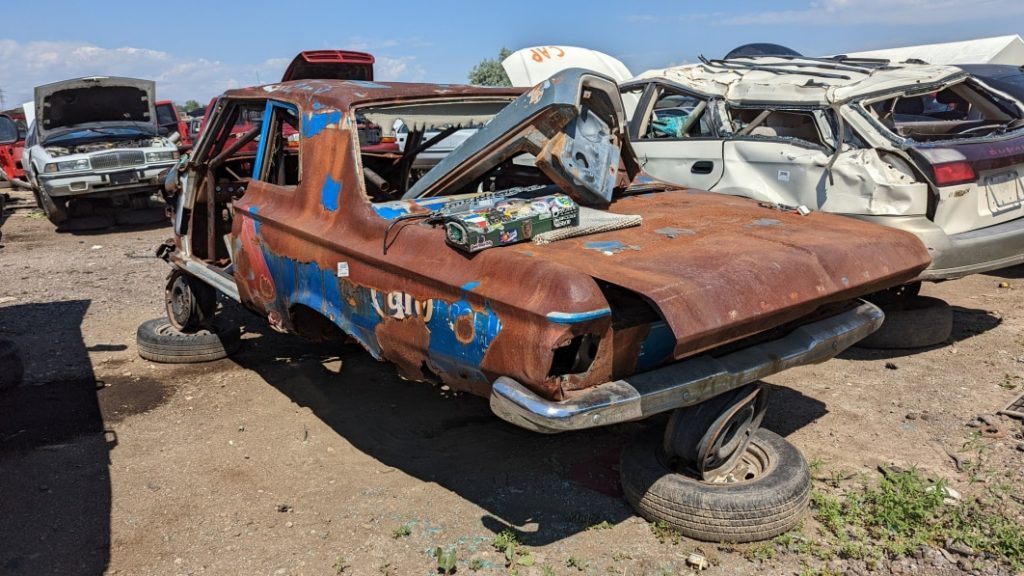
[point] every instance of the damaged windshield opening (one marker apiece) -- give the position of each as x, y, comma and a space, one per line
423, 135
961, 110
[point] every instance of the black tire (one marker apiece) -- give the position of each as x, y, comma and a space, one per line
190, 302
917, 322
56, 210
11, 368
748, 510
159, 341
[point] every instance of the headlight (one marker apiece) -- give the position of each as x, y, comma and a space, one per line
165, 156
67, 166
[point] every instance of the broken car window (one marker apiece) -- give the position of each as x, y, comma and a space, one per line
676, 116
956, 111
783, 124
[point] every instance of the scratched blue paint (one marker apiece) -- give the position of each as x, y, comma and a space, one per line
307, 284
367, 84
469, 286
605, 245
330, 194
389, 212
317, 105
656, 347
574, 317
447, 353
256, 222
316, 122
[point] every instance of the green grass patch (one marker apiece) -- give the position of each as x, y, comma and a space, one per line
902, 511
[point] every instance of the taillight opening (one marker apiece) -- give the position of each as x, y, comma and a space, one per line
950, 173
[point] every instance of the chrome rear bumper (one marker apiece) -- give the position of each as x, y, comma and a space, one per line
683, 383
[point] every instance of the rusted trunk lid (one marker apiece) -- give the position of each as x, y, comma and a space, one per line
719, 268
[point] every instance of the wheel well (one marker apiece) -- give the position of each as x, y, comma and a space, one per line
312, 325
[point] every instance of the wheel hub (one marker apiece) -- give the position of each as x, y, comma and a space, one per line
710, 439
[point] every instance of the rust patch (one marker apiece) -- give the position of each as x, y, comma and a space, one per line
464, 329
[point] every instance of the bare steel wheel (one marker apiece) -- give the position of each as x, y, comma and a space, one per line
765, 494
708, 439
190, 302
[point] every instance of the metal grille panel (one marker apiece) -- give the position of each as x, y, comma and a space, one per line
118, 159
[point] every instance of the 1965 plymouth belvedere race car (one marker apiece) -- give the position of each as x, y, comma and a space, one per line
643, 299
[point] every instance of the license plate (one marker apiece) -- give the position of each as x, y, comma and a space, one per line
1004, 191
124, 178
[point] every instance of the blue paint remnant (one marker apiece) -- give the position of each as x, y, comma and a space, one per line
644, 179
317, 105
609, 246
846, 281
256, 222
656, 347
392, 210
765, 222
330, 194
469, 286
447, 352
389, 211
367, 84
574, 317
316, 122
307, 284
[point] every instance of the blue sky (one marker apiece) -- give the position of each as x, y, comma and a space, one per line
203, 48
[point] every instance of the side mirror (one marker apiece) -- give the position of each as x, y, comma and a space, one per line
8, 130
170, 189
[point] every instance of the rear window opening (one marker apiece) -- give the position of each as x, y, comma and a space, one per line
962, 110
401, 143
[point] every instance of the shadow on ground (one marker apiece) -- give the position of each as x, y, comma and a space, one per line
555, 486
54, 451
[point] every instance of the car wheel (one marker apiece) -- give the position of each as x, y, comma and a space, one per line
56, 210
13, 369
190, 302
916, 322
159, 341
765, 495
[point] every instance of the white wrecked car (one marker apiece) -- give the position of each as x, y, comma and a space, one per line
95, 137
927, 149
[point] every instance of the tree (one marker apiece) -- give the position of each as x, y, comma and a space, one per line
489, 71
191, 105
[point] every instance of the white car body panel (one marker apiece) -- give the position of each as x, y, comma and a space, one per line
531, 66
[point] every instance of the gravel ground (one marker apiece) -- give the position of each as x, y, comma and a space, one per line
298, 458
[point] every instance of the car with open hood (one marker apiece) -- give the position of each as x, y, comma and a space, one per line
95, 137
534, 265
927, 149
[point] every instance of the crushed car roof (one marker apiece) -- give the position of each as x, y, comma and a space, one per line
801, 80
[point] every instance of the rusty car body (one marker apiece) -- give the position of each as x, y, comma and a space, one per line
709, 293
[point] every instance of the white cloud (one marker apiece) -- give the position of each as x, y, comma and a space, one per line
26, 65
882, 12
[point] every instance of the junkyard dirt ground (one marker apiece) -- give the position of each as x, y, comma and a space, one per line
299, 458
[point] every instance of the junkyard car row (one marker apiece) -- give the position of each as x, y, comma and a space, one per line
583, 252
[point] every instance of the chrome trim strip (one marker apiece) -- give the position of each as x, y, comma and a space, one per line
219, 281
683, 383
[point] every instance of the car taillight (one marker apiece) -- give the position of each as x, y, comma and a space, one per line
387, 140
954, 173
